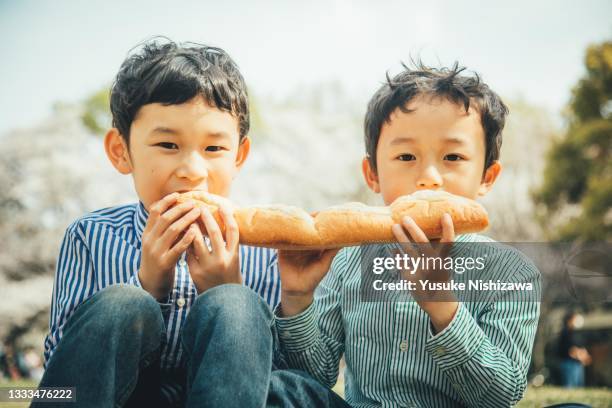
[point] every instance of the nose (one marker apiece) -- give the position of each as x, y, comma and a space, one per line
192, 167
429, 178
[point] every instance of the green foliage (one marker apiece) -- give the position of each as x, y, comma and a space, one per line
96, 114
593, 93
578, 168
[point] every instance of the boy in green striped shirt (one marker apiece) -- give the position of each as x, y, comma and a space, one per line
425, 129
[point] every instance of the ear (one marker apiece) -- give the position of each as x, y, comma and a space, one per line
244, 149
371, 178
117, 151
489, 177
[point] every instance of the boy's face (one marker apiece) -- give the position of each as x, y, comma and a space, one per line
179, 148
438, 146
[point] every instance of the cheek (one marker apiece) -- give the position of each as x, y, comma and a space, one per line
220, 176
464, 182
222, 167
394, 182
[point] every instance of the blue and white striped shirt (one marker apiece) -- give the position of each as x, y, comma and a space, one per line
103, 248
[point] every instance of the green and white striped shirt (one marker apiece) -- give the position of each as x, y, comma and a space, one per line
392, 357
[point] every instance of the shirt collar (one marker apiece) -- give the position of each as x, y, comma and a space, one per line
140, 220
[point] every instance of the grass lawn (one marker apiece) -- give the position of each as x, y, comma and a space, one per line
534, 397
16, 384
548, 395
542, 396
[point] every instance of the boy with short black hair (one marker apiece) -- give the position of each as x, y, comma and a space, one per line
425, 129
128, 315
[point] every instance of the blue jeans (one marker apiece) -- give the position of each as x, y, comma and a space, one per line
110, 352
572, 373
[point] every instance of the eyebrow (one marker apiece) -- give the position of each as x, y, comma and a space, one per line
454, 140
175, 132
165, 131
219, 135
402, 140
408, 139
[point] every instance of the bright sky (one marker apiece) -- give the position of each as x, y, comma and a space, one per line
64, 50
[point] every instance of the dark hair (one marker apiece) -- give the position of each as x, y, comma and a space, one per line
161, 71
442, 82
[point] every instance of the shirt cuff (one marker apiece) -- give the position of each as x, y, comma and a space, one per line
135, 281
297, 333
458, 342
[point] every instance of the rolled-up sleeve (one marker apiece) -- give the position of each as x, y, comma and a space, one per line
486, 360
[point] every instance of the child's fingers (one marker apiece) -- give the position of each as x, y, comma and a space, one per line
448, 229
199, 246
414, 230
323, 261
213, 231
159, 207
231, 227
401, 237
192, 258
162, 205
175, 252
406, 245
417, 234
448, 234
170, 216
172, 233
399, 233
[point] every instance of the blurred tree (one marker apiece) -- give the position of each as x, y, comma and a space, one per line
527, 136
578, 172
96, 111
258, 125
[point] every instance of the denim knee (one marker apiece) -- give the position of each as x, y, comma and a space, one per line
124, 308
230, 307
234, 302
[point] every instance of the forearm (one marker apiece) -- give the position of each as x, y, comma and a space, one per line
294, 304
441, 314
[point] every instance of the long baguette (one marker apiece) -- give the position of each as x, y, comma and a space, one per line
286, 227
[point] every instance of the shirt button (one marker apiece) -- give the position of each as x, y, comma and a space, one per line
440, 351
182, 262
180, 302
404, 346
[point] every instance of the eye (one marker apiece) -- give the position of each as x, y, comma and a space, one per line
406, 157
167, 145
453, 157
214, 148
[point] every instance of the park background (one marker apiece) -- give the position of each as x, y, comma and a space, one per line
310, 68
